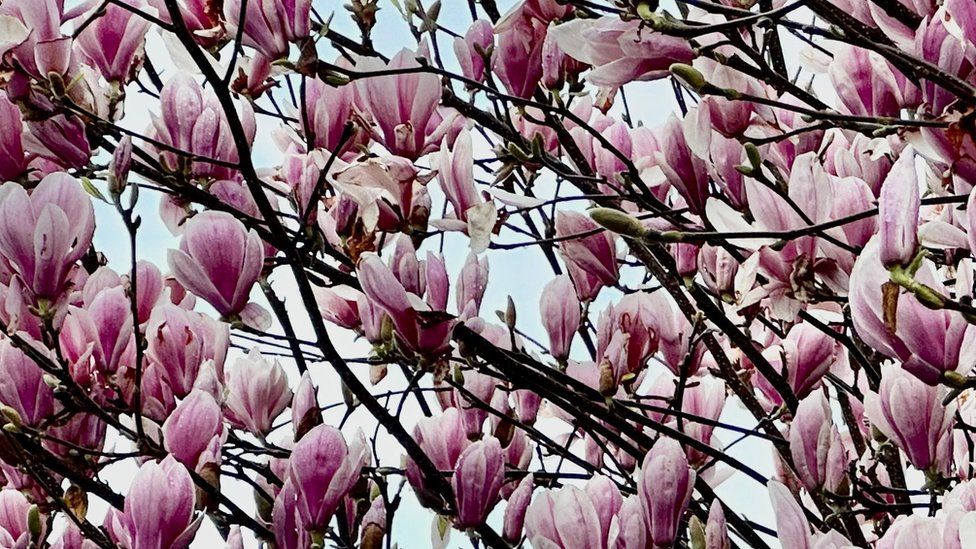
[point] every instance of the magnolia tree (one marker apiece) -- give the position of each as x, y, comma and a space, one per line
735, 238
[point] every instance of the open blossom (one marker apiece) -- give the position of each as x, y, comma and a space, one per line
403, 106
201, 17
939, 344
22, 387
192, 120
619, 51
114, 41
456, 176
43, 234
12, 160
912, 415
269, 26
868, 85
39, 48
180, 341
257, 392
417, 327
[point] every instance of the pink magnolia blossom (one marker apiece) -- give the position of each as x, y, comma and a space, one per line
618, 51
257, 392
867, 84
180, 341
588, 251
666, 483
158, 509
338, 306
192, 120
912, 415
14, 510
515, 509
819, 455
42, 49
12, 160
60, 139
898, 210
194, 432
288, 531
323, 468
201, 17
809, 354
419, 329
219, 260
43, 234
456, 176
327, 111
472, 49
114, 42
412, 126
519, 56
22, 388
792, 527
478, 477
304, 406
940, 342
269, 26
102, 331
564, 518
560, 311
471, 285
716, 531
443, 439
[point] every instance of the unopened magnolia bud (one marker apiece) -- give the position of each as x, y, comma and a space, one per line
618, 222
34, 522
608, 385
691, 76
335, 79
752, 153
518, 153
118, 173
510, 314
51, 381
348, 397
12, 415
645, 11
954, 379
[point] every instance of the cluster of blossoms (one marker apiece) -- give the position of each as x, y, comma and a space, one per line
784, 262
